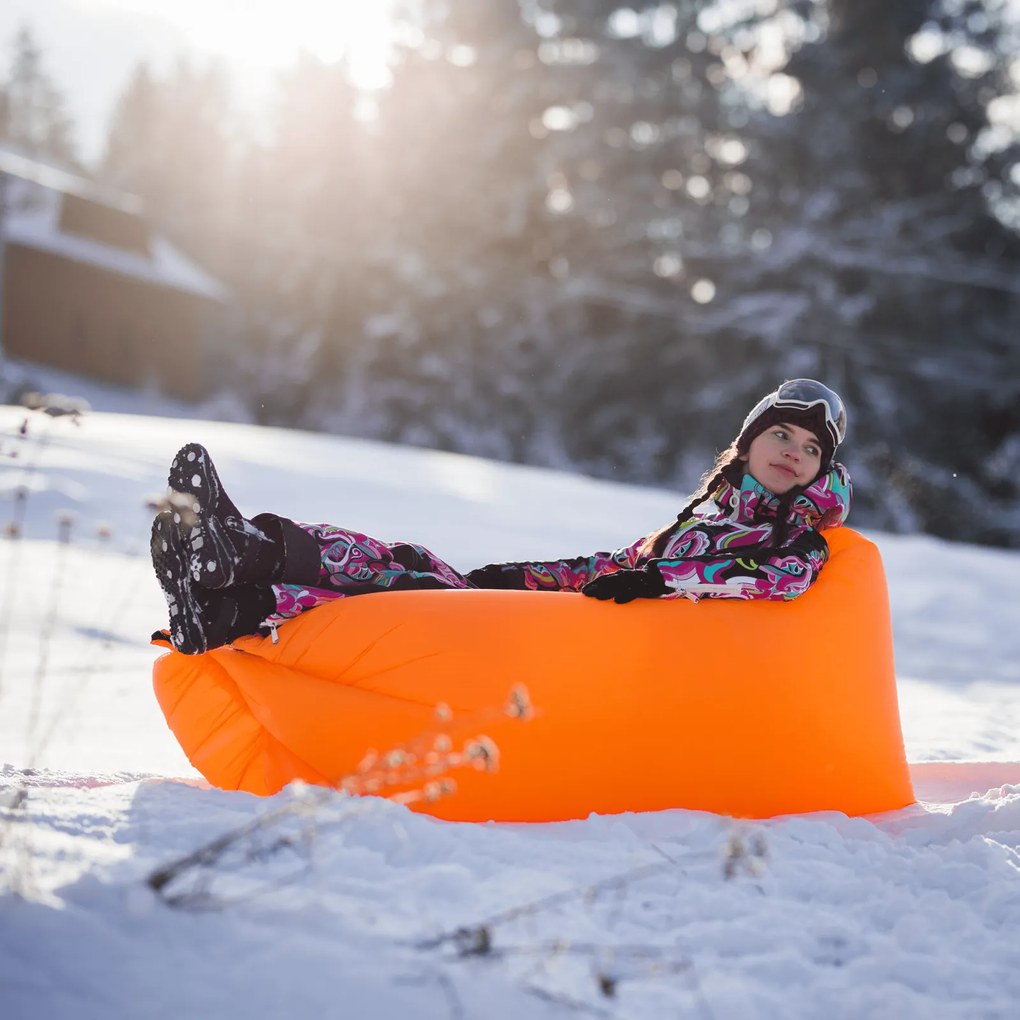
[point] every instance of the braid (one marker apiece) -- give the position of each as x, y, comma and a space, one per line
721, 471
782, 525
710, 482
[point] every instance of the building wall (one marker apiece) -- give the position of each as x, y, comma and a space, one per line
84, 319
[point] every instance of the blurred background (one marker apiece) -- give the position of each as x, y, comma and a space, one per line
568, 233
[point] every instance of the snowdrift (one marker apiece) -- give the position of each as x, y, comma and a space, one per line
750, 709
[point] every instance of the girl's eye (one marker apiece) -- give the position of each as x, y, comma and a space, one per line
781, 433
813, 451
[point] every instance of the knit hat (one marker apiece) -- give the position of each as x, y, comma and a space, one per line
802, 402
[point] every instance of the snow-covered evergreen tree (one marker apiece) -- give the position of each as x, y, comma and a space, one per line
32, 114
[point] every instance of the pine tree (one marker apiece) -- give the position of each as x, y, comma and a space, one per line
170, 142
639, 154
32, 113
883, 265
458, 214
320, 197
134, 131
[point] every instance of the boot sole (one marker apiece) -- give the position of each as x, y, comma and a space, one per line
170, 563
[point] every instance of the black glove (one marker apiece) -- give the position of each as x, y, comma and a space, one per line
627, 585
495, 575
810, 542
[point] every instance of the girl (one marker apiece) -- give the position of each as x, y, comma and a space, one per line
772, 492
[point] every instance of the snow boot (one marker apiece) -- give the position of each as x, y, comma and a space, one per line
201, 620
225, 549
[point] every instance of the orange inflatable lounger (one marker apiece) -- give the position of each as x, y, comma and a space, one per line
750, 709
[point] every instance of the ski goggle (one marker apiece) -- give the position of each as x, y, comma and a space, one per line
803, 395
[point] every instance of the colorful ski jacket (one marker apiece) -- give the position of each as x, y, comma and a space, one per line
749, 544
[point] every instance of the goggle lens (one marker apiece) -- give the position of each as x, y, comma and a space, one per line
803, 394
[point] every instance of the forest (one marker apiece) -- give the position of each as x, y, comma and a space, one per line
585, 236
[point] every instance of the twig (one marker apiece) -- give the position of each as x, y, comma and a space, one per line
212, 851
13, 532
53, 406
48, 626
399, 767
445, 982
567, 1001
475, 939
127, 589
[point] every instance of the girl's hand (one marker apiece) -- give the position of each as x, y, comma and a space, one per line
626, 585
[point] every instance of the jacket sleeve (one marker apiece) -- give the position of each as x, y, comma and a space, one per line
751, 573
548, 575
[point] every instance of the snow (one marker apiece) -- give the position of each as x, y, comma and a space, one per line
350, 907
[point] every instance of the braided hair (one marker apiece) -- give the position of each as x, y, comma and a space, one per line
726, 465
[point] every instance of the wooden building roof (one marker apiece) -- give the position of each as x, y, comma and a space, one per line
49, 209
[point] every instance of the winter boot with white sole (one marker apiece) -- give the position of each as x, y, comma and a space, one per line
223, 547
201, 620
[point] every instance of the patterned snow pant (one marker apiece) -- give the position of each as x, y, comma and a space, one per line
351, 563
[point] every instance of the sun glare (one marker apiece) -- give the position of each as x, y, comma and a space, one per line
268, 34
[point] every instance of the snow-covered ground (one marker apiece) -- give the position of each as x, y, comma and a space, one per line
350, 908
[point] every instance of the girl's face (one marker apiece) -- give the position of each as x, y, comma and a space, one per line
783, 456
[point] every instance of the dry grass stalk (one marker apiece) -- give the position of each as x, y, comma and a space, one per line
404, 766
